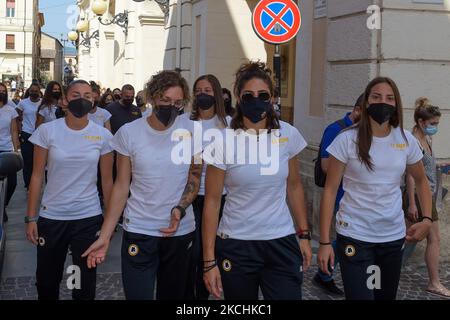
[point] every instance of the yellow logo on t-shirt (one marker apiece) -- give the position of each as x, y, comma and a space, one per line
399, 146
184, 135
280, 140
93, 138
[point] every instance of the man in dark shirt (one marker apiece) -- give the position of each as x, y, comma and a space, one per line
123, 111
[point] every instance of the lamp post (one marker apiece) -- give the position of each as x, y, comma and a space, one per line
164, 4
99, 7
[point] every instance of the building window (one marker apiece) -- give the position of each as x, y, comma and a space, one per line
10, 8
10, 42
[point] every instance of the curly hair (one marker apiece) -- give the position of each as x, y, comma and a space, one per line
246, 72
425, 110
163, 80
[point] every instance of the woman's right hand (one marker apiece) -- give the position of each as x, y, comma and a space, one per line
413, 213
96, 253
32, 233
213, 282
325, 257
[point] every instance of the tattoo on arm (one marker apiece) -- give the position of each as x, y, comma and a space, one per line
192, 186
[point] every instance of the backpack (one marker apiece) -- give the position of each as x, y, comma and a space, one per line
320, 176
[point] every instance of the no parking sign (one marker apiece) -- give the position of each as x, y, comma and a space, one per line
276, 21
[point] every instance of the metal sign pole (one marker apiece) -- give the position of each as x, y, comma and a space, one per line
277, 69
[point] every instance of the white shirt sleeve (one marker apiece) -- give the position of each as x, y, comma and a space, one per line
14, 114
213, 154
41, 137
339, 148
19, 106
107, 115
296, 143
121, 143
43, 112
106, 147
414, 152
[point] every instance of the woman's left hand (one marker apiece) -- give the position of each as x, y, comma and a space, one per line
418, 231
175, 218
305, 248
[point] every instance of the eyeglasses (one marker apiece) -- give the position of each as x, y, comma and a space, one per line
263, 95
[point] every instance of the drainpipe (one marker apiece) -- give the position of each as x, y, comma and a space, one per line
178, 48
24, 42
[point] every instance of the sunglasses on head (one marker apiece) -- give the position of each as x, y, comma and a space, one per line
248, 97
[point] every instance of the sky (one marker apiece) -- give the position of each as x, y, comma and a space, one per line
58, 15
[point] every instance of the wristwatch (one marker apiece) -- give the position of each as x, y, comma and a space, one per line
31, 219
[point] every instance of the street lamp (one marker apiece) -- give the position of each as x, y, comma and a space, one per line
99, 7
86, 41
164, 4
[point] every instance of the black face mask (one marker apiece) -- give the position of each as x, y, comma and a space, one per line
56, 94
127, 102
80, 107
381, 112
117, 96
256, 109
3, 98
166, 114
205, 101
34, 96
59, 113
96, 103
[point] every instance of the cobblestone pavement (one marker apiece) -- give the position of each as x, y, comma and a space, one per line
109, 286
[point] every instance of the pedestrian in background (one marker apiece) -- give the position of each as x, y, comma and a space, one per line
208, 110
49, 104
321, 279
28, 109
426, 118
9, 141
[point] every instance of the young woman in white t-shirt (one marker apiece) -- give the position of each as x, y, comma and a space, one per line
158, 222
9, 140
371, 158
255, 245
99, 115
27, 109
49, 104
69, 214
207, 109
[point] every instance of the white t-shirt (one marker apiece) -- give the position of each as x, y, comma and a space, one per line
255, 206
214, 122
100, 116
157, 182
29, 109
73, 156
48, 114
7, 114
371, 209
11, 103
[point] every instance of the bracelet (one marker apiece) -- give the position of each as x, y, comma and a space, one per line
209, 268
325, 243
423, 218
182, 210
206, 261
